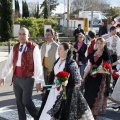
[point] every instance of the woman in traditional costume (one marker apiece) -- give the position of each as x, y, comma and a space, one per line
97, 82
73, 106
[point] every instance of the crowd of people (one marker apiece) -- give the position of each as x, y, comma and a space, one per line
82, 89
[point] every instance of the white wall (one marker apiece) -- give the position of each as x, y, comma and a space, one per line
87, 14
46, 27
16, 29
73, 24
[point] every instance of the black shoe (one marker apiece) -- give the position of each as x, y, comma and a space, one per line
117, 106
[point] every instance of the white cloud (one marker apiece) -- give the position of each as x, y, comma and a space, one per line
60, 8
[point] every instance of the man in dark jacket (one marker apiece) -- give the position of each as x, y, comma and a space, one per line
118, 30
102, 30
77, 31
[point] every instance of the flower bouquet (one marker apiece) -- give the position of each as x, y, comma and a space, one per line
115, 74
106, 67
62, 77
94, 71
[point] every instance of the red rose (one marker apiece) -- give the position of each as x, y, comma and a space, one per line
62, 74
62, 77
106, 65
114, 75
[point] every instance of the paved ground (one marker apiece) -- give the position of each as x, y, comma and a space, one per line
3, 53
8, 109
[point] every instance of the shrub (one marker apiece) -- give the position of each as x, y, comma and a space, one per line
36, 25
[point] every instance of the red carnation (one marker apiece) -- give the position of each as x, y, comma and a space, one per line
114, 75
106, 65
62, 74
62, 77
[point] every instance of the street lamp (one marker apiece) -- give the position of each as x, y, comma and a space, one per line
64, 6
91, 26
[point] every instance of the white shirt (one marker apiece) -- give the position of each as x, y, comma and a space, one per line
59, 67
48, 46
88, 67
19, 55
110, 43
118, 67
38, 72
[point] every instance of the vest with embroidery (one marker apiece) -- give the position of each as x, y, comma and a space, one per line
27, 62
51, 55
91, 47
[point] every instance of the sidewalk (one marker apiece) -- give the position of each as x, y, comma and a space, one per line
4, 48
3, 53
3, 56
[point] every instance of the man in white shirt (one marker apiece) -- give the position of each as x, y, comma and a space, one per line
113, 44
56, 39
25, 60
49, 53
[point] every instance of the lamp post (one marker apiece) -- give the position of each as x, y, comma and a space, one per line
91, 26
64, 6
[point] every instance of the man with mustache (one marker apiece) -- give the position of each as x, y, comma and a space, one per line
49, 53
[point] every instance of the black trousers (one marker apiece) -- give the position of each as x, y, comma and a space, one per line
23, 88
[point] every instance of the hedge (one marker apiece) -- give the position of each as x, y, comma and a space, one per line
36, 25
39, 41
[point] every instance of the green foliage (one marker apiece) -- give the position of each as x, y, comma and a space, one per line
0, 7
48, 6
53, 4
75, 12
36, 25
25, 9
17, 9
114, 12
37, 14
38, 41
12, 42
6, 19
45, 10
17, 6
